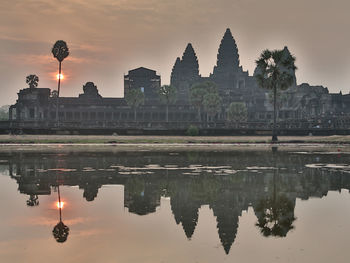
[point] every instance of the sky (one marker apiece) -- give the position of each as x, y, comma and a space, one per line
107, 38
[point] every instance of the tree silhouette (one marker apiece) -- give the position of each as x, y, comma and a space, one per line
60, 232
275, 213
212, 103
33, 200
134, 98
198, 92
275, 71
60, 51
237, 112
32, 81
275, 216
54, 94
167, 94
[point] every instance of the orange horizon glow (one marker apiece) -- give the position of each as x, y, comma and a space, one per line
60, 76
60, 204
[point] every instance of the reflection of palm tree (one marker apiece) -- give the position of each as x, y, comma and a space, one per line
33, 200
275, 214
60, 51
60, 231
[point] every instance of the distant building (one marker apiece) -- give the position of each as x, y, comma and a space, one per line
144, 79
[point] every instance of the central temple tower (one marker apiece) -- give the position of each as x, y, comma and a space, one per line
228, 74
227, 58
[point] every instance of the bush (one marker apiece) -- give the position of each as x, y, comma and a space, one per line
4, 113
192, 131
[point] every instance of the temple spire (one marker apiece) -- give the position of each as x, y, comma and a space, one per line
190, 61
185, 73
227, 58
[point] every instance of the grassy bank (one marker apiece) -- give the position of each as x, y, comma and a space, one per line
92, 139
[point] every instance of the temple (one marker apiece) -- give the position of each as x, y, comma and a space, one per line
301, 106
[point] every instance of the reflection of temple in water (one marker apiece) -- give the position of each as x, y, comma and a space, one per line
228, 182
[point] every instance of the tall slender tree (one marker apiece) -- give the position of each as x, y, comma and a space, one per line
212, 104
60, 51
167, 94
275, 70
135, 98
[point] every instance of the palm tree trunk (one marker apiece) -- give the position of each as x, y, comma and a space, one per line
274, 132
58, 92
59, 202
167, 113
135, 114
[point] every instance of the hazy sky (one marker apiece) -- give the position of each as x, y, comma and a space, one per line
107, 38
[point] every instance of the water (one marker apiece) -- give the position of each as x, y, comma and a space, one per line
174, 206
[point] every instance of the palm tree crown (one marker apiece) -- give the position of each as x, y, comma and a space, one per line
275, 69
32, 81
60, 50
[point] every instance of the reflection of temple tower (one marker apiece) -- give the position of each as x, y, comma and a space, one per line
141, 197
185, 210
185, 73
90, 190
226, 208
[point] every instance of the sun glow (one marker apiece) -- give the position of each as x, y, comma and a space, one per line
58, 76
60, 204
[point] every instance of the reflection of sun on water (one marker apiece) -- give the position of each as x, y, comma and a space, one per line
60, 76
60, 204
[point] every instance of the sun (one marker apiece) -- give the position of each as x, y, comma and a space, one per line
58, 75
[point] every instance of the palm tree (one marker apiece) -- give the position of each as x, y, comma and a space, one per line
275, 71
275, 213
60, 51
167, 94
32, 81
134, 98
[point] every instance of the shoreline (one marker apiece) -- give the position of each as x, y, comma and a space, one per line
213, 140
79, 143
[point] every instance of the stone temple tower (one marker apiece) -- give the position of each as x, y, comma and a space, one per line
228, 74
227, 58
185, 73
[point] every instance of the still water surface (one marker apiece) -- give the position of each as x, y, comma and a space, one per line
185, 206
